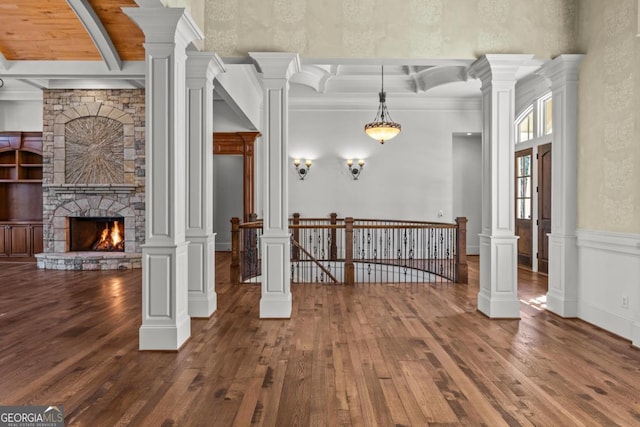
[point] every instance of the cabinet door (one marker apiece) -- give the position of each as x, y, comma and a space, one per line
37, 239
4, 241
20, 241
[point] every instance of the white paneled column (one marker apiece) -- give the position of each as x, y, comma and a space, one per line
498, 296
276, 70
166, 324
202, 68
562, 297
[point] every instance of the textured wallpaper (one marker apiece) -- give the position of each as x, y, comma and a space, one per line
609, 117
399, 29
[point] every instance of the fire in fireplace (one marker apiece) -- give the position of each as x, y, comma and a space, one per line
96, 234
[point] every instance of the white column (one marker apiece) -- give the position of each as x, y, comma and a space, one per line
562, 297
166, 324
276, 70
498, 296
202, 68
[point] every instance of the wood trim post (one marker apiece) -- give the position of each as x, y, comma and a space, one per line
235, 250
349, 268
333, 249
295, 253
240, 143
462, 271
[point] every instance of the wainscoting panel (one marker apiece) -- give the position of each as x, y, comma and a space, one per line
609, 281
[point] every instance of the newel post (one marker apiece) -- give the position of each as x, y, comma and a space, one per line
295, 255
349, 269
333, 249
235, 250
462, 272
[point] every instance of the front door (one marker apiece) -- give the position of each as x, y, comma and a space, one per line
544, 206
524, 226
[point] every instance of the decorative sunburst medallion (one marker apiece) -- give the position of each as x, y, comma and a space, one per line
94, 151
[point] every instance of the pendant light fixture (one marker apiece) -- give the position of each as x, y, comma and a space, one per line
382, 128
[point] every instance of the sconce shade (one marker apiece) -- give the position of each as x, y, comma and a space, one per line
382, 128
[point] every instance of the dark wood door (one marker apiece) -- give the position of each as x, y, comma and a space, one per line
524, 225
544, 206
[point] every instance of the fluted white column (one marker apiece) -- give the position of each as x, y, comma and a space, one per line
498, 296
166, 324
276, 70
562, 297
202, 68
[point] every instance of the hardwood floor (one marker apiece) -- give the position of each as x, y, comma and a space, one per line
364, 355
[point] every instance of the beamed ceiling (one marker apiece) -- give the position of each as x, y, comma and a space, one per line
69, 30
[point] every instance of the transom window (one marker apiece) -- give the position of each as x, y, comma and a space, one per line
536, 121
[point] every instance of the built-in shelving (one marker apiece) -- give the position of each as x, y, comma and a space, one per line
20, 195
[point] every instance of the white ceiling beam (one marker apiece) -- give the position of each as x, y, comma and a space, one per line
4, 64
37, 83
97, 32
73, 69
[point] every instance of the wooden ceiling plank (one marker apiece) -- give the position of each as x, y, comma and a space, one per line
97, 32
126, 36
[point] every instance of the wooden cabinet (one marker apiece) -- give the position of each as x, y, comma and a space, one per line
20, 195
20, 241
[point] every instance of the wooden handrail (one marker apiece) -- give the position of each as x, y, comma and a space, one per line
459, 258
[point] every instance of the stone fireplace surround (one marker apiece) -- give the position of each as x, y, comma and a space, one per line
104, 191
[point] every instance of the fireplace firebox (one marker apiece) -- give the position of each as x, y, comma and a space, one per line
102, 234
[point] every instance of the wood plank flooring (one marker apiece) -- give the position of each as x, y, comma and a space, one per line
367, 355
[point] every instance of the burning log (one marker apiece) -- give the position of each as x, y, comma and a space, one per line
110, 239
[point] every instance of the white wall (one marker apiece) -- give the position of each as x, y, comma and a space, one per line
227, 200
408, 177
467, 186
25, 116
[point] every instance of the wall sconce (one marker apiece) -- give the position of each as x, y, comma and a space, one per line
302, 171
355, 171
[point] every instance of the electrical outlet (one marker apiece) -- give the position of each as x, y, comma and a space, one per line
625, 301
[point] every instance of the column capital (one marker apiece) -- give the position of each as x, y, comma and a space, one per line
562, 69
277, 65
497, 67
204, 64
164, 24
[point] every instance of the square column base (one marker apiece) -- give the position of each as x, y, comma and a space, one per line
498, 296
166, 324
276, 299
203, 300
167, 338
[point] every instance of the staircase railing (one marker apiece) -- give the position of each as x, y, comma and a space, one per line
348, 250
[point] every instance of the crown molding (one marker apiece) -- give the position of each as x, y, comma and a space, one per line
399, 103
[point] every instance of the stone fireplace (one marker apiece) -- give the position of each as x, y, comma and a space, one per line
93, 175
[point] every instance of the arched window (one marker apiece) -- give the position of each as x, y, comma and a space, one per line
536, 121
525, 126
